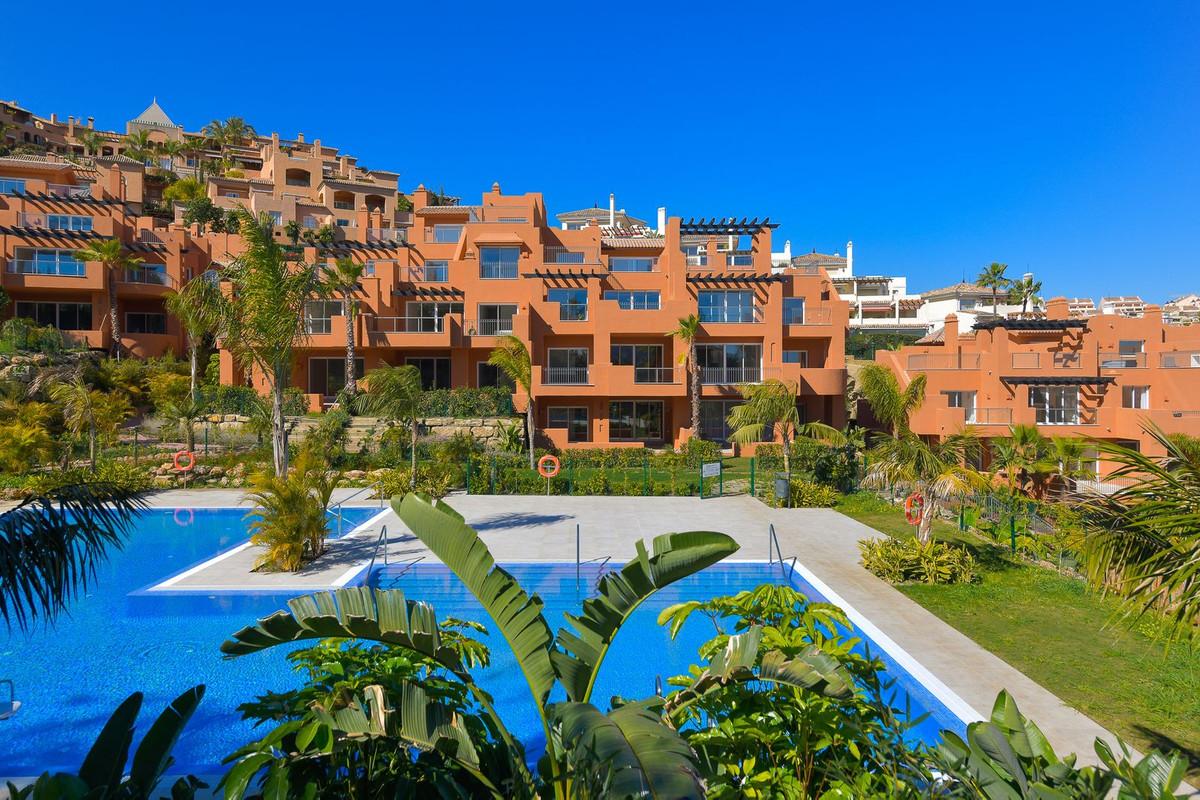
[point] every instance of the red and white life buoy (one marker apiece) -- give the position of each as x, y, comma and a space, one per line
185, 461
914, 508
548, 466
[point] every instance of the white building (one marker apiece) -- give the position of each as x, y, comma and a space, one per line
1123, 306
1183, 310
970, 302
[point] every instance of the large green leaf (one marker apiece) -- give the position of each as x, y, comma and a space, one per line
517, 615
153, 754
586, 640
629, 751
105, 762
360, 612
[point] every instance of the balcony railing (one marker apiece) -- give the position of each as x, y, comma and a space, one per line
730, 375
429, 273
1067, 361
555, 254
149, 236
731, 315
654, 375
697, 260
988, 416
345, 205
488, 327
69, 190
930, 361
738, 259
409, 324
386, 234
152, 277
565, 376
1122, 360
809, 316
1026, 360
573, 312
1180, 360
1066, 415
66, 269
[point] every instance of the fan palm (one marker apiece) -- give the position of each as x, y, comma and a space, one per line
939, 472
891, 405
112, 256
51, 544
1026, 291
138, 146
261, 318
394, 393
512, 358
89, 412
196, 307
772, 407
1143, 541
688, 331
993, 278
342, 280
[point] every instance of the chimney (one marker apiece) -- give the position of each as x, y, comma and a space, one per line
612, 210
662, 220
54, 117
1057, 308
300, 138
420, 198
274, 140
316, 147
850, 259
91, 123
787, 250
951, 330
70, 126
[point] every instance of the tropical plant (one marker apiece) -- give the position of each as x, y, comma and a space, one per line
394, 393
910, 561
103, 774
511, 439
196, 306
261, 318
688, 331
890, 404
91, 140
342, 280
185, 190
938, 472
229, 132
138, 146
1025, 291
1142, 542
512, 358
641, 752
185, 412
1023, 457
89, 412
111, 254
993, 278
771, 407
289, 520
292, 230
52, 541
24, 446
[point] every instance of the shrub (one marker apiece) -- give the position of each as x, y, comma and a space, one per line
812, 495
464, 401
908, 561
20, 334
435, 480
814, 461
168, 388
329, 437
241, 399
289, 519
117, 473
698, 451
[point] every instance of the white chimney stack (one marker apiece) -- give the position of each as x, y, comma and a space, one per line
662, 220
787, 251
612, 210
850, 258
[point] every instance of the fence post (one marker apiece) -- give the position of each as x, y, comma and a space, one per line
721, 478
492, 476
570, 476
206, 440
1012, 531
645, 474
135, 446
752, 462
468, 474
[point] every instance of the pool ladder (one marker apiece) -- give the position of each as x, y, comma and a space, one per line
775, 553
603, 560
12, 705
338, 505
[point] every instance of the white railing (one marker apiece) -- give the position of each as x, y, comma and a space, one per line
730, 375
565, 376
697, 260
409, 324
66, 269
1065, 415
488, 327
385, 234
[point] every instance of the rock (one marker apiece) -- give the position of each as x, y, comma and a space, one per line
163, 481
216, 472
354, 475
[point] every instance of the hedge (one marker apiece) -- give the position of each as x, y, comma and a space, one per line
465, 401
241, 400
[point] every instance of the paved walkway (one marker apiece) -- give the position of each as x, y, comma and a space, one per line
535, 528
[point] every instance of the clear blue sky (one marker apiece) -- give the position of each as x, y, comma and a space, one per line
1060, 138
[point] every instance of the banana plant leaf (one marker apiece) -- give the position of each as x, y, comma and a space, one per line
581, 647
153, 755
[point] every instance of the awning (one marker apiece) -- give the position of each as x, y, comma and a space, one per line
1059, 380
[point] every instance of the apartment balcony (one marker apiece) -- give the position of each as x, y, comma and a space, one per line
739, 259
731, 316
1066, 416
1112, 360
810, 380
565, 376
1180, 359
626, 380
55, 222
428, 273
344, 205
1038, 361
566, 256
811, 322
409, 331
30, 274
487, 327
143, 282
1186, 421
730, 376
69, 190
953, 420
386, 235
696, 260
922, 362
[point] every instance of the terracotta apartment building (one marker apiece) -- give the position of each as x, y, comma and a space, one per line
1101, 378
593, 296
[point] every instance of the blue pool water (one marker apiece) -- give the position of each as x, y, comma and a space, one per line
118, 639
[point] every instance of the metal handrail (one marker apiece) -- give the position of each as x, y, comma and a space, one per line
773, 540
338, 505
381, 540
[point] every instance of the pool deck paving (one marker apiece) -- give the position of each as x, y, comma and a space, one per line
536, 528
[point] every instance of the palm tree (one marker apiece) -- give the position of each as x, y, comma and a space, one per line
293, 230
1143, 541
88, 411
196, 307
771, 406
185, 190
688, 331
232, 131
1026, 290
1068, 454
938, 472
261, 318
891, 405
139, 146
394, 393
52, 542
993, 278
92, 141
1024, 457
342, 279
111, 254
512, 358
172, 150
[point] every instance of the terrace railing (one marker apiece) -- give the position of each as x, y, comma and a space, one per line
809, 316
487, 327
1112, 360
730, 375
655, 375
744, 314
565, 376
65, 269
151, 277
932, 361
1065, 415
386, 234
69, 190
408, 324
988, 416
1183, 359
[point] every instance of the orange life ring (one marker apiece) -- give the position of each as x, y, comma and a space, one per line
914, 508
547, 466
191, 461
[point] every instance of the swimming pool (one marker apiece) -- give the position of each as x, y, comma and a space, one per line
118, 639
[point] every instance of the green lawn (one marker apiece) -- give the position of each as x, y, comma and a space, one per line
1067, 638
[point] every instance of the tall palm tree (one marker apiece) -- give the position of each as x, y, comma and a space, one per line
1068, 454
261, 318
993, 278
172, 150
938, 472
512, 358
342, 280
52, 542
89, 412
1025, 291
688, 331
891, 405
139, 146
196, 307
111, 254
394, 393
92, 141
771, 406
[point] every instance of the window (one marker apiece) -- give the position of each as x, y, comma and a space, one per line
631, 264
491, 375
1130, 347
1055, 405
730, 363
12, 186
498, 262
560, 256
68, 222
714, 416
696, 255
343, 223
1135, 396
735, 306
635, 301
310, 222
567, 365
318, 315
447, 234
435, 372
574, 419
963, 400
495, 319
572, 303
145, 322
646, 360
796, 357
327, 376
575, 226
64, 316
276, 218
793, 311
635, 420
437, 271
966, 303
427, 316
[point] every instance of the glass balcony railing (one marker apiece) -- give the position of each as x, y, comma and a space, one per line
144, 275
1122, 360
1181, 360
573, 312
409, 324
730, 315
654, 375
66, 269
